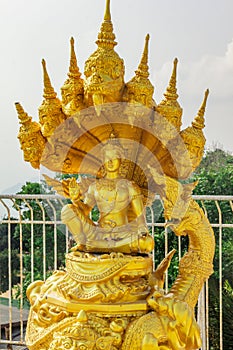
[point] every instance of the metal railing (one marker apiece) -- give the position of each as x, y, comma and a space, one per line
33, 243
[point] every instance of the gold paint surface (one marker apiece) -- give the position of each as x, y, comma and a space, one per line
129, 149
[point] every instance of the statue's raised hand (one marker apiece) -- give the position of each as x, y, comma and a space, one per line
74, 190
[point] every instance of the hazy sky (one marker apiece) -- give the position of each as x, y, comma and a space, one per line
199, 33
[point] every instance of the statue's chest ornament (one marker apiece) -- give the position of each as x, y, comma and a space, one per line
106, 191
110, 191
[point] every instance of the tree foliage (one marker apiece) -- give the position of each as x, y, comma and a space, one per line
215, 176
6, 259
41, 243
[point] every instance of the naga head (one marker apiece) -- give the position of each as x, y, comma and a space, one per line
104, 69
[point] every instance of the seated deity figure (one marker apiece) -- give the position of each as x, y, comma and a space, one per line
121, 226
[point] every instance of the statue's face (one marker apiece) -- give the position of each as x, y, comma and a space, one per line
143, 98
46, 123
70, 92
103, 88
49, 122
112, 165
104, 77
112, 160
174, 120
47, 129
29, 149
66, 94
195, 153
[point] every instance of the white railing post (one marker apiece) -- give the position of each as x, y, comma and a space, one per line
201, 317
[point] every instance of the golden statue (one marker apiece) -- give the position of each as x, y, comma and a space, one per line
125, 148
114, 196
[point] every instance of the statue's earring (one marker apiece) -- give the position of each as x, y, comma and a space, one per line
102, 171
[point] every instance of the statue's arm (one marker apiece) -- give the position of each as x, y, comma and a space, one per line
89, 200
138, 207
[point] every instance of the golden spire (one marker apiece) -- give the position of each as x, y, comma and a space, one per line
107, 15
72, 89
169, 107
50, 113
27, 125
106, 37
22, 115
171, 93
31, 140
143, 69
199, 121
48, 89
193, 135
139, 89
73, 69
29, 131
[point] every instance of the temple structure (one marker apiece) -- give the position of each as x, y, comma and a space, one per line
125, 149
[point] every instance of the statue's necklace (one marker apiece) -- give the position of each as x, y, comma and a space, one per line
107, 190
107, 185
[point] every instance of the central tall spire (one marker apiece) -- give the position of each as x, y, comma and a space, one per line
107, 15
106, 37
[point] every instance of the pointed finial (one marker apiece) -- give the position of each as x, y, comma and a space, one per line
82, 316
22, 115
106, 37
199, 121
48, 89
193, 135
73, 69
139, 89
143, 69
171, 93
107, 15
169, 107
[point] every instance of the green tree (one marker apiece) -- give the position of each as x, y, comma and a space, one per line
4, 258
215, 176
35, 244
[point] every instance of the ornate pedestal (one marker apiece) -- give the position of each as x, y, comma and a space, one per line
92, 302
108, 302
